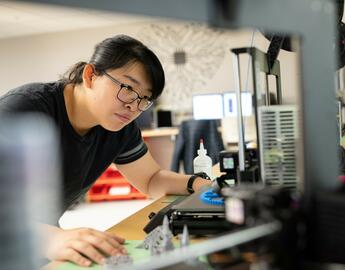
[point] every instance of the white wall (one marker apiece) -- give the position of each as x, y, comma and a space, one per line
47, 56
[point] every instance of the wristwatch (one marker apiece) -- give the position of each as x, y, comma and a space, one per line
192, 179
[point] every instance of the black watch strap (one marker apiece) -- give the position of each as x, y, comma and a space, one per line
192, 179
190, 183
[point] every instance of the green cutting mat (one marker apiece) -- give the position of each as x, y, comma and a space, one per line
135, 253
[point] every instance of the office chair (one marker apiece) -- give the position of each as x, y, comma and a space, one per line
188, 141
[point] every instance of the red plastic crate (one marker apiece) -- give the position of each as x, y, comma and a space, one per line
111, 185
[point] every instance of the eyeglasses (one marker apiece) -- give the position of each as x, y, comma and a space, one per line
127, 95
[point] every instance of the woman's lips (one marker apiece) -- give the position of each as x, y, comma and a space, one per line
122, 117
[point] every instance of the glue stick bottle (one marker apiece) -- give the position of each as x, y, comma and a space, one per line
203, 163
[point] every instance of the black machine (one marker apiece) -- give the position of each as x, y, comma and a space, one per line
228, 164
248, 203
201, 218
207, 218
311, 225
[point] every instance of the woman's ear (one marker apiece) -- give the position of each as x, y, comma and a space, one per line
88, 75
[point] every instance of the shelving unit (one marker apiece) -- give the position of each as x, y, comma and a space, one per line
111, 185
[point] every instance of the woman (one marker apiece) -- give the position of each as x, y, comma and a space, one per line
94, 106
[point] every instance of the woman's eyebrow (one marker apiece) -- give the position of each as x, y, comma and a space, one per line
136, 82
132, 79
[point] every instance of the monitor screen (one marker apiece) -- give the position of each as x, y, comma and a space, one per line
230, 104
208, 106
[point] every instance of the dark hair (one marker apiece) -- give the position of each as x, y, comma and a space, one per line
116, 52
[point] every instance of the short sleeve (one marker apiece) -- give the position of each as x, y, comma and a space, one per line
13, 103
135, 148
34, 97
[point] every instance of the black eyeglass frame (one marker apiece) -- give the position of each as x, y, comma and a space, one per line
130, 88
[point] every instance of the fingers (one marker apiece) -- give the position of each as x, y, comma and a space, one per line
117, 238
84, 245
95, 244
120, 248
106, 246
88, 250
115, 241
69, 254
108, 235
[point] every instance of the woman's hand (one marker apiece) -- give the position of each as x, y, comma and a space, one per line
81, 246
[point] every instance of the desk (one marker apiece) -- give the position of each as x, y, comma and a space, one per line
131, 228
159, 132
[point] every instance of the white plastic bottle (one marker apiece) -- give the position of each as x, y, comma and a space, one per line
202, 163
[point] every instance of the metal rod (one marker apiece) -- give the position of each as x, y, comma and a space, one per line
267, 91
241, 140
340, 119
216, 244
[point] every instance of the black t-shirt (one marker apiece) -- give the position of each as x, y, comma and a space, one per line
84, 158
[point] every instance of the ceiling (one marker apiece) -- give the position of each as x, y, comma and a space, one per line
22, 18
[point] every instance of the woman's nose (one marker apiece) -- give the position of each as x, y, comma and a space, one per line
133, 106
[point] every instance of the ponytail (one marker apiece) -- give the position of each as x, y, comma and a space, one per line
75, 74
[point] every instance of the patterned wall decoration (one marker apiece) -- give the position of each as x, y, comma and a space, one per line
190, 53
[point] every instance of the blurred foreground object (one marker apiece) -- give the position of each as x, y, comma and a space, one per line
30, 187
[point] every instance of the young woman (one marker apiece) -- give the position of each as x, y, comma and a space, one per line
94, 106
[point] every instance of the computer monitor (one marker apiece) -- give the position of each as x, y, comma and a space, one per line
229, 122
230, 104
208, 106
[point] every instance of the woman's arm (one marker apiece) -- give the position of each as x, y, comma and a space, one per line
147, 176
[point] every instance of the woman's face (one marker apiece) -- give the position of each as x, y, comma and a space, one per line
111, 113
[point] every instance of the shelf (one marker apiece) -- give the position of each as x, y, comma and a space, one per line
111, 185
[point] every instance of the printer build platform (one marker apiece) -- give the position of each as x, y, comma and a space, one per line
201, 218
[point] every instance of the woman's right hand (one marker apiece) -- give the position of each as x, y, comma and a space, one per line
81, 246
